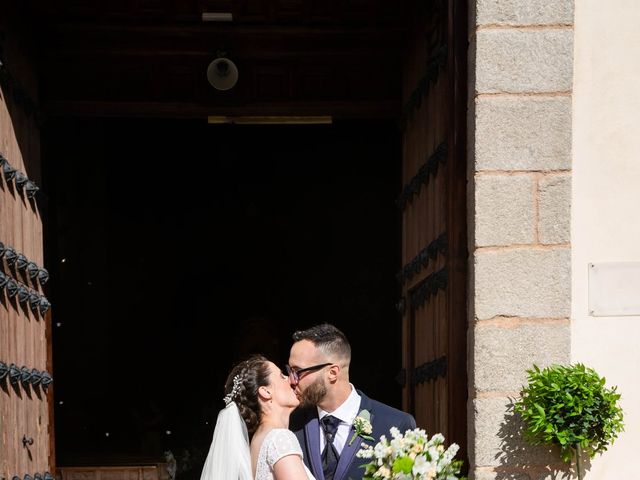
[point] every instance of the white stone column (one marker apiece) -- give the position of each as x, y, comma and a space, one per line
521, 76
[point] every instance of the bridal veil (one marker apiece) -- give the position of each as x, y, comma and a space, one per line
229, 456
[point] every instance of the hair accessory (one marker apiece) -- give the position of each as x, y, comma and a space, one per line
228, 398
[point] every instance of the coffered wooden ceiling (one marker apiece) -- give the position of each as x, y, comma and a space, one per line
149, 57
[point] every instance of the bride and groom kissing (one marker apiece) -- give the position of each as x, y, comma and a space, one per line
306, 423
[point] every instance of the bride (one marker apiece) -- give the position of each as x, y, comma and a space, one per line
259, 400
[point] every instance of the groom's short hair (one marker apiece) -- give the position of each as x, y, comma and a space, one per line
328, 339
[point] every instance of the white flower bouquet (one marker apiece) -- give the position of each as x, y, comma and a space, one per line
411, 456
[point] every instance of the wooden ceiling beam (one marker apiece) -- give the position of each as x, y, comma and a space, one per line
237, 42
134, 66
338, 110
298, 12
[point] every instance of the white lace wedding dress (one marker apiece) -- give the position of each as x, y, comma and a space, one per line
277, 443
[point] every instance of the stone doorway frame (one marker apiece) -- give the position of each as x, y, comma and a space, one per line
519, 194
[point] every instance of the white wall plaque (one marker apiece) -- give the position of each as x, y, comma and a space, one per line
614, 289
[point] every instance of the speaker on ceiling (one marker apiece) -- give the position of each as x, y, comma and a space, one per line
222, 73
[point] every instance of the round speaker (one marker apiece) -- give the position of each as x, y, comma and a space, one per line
222, 73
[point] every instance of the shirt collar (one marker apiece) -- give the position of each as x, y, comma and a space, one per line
347, 411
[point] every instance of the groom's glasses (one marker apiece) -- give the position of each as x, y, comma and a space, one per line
295, 374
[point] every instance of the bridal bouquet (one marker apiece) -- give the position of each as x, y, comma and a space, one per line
411, 456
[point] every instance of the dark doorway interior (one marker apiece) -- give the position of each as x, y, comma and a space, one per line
177, 247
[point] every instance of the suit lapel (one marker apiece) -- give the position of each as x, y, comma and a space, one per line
312, 434
349, 451
347, 455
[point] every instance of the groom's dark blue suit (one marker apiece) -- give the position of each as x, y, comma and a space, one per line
304, 423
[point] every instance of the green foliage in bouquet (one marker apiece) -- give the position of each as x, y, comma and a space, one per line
570, 406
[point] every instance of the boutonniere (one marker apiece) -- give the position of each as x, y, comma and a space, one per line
362, 426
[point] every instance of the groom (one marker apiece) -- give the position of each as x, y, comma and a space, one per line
324, 424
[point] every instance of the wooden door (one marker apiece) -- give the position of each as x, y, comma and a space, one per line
432, 201
25, 362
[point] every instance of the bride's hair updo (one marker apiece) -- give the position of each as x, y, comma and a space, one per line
242, 386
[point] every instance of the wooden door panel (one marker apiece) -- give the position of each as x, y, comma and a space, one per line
24, 407
25, 403
433, 202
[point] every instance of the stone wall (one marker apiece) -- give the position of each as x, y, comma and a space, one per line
521, 76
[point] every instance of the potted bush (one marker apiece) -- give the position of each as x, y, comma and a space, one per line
569, 406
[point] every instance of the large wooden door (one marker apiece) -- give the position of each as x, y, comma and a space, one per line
432, 201
25, 362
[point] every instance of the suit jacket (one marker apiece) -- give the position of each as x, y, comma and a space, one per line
305, 424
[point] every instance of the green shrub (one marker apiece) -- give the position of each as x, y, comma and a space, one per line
570, 406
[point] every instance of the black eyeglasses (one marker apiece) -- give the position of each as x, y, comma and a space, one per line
295, 373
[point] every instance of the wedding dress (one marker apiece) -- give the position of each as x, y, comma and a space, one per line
277, 443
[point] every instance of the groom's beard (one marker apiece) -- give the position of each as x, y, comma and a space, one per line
313, 394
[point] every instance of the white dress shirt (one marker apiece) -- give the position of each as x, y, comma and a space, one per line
346, 413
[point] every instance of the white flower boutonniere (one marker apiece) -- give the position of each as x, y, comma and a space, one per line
362, 426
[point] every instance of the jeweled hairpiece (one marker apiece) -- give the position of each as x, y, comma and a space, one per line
229, 397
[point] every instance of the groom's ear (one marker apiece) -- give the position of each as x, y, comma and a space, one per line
334, 371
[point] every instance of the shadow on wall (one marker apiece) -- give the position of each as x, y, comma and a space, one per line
520, 460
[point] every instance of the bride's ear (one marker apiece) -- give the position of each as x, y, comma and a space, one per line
264, 393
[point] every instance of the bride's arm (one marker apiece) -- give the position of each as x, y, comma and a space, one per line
289, 467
